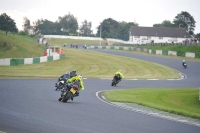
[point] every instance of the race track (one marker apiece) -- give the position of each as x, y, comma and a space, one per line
32, 106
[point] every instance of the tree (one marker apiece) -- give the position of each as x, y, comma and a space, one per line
165, 23
125, 28
26, 25
85, 28
185, 20
7, 23
157, 25
68, 22
112, 29
197, 35
109, 28
47, 27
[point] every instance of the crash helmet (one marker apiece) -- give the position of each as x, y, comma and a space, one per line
80, 76
183, 60
120, 71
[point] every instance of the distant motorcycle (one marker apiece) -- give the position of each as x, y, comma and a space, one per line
115, 80
70, 92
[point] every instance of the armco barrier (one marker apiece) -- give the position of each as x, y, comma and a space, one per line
164, 52
150, 51
43, 59
197, 55
13, 62
121, 48
153, 51
4, 62
188, 54
28, 61
36, 60
174, 53
180, 53
49, 58
21, 61
159, 52
56, 57
62, 56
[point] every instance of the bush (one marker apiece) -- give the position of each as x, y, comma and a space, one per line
22, 33
4, 46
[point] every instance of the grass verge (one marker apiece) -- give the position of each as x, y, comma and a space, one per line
18, 46
182, 101
92, 65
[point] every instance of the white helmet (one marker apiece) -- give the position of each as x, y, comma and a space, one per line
183, 60
80, 76
120, 71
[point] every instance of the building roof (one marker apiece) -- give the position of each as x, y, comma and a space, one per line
160, 32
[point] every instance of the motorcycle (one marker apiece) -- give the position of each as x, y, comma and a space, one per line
115, 80
61, 82
184, 65
70, 92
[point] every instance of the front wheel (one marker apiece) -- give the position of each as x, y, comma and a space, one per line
113, 82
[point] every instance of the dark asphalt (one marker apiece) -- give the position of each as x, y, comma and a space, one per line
32, 106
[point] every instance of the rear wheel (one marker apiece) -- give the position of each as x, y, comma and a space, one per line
66, 97
113, 82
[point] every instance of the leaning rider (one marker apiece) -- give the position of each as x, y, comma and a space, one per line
63, 77
71, 80
73, 73
120, 75
183, 62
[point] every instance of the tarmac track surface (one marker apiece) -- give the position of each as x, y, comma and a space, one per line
32, 106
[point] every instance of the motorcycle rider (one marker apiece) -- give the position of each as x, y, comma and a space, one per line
120, 75
184, 63
63, 77
70, 83
66, 76
73, 73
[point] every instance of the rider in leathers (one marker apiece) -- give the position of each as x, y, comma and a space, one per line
120, 75
72, 73
183, 62
66, 76
70, 83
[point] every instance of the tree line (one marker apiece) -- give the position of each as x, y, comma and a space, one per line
108, 28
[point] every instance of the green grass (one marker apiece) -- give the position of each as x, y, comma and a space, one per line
18, 46
182, 101
92, 65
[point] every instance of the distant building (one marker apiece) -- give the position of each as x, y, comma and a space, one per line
144, 35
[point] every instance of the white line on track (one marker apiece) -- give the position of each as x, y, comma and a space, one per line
155, 114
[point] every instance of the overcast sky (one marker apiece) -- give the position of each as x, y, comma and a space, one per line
144, 12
